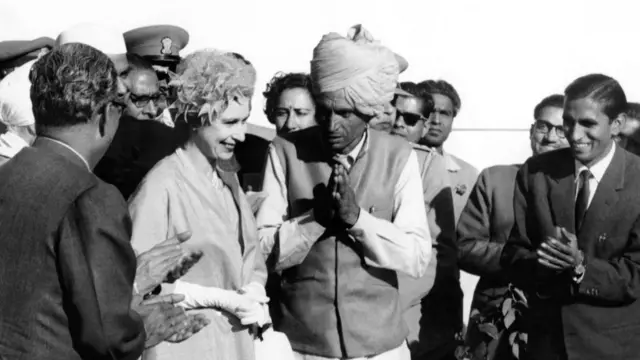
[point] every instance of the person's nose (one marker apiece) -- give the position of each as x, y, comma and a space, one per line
292, 122
240, 133
399, 123
150, 109
434, 118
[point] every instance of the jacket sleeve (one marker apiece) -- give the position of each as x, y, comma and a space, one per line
98, 266
518, 256
477, 254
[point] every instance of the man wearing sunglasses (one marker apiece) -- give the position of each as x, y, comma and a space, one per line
430, 300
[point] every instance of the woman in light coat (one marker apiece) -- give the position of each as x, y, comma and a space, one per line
196, 190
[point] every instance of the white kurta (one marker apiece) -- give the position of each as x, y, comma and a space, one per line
175, 197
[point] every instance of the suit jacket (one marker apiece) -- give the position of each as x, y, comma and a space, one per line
66, 265
462, 177
483, 228
600, 317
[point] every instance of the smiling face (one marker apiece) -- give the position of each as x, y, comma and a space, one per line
589, 130
218, 140
547, 133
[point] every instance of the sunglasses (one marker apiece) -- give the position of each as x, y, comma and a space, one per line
411, 119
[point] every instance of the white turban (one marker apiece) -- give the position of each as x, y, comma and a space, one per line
15, 98
357, 70
100, 37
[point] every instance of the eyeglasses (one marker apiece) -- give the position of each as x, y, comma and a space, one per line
410, 119
544, 128
141, 101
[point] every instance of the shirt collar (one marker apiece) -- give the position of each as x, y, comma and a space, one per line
599, 168
70, 148
363, 145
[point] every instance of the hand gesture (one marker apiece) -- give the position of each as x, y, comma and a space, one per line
323, 209
186, 329
160, 317
184, 266
155, 264
347, 209
560, 253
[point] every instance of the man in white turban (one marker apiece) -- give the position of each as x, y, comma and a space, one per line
345, 211
16, 113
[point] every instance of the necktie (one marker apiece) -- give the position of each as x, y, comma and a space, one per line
582, 201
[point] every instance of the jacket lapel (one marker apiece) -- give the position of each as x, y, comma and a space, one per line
563, 192
606, 196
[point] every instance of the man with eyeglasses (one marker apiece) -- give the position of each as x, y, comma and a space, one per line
547, 132
487, 219
140, 141
428, 301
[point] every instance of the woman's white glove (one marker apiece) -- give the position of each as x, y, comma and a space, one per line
246, 306
256, 292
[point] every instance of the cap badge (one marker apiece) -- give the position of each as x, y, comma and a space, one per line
166, 46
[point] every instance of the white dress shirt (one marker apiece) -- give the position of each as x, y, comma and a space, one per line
597, 173
403, 244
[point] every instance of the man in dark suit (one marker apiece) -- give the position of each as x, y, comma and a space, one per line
66, 265
575, 244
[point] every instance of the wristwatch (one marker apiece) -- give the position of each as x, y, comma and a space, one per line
579, 270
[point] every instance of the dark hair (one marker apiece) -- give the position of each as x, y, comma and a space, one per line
278, 84
138, 63
633, 110
601, 88
419, 92
443, 88
70, 84
555, 100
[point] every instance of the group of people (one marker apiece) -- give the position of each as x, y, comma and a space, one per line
134, 224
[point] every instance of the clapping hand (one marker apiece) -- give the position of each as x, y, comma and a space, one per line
165, 321
184, 266
561, 252
192, 325
155, 264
